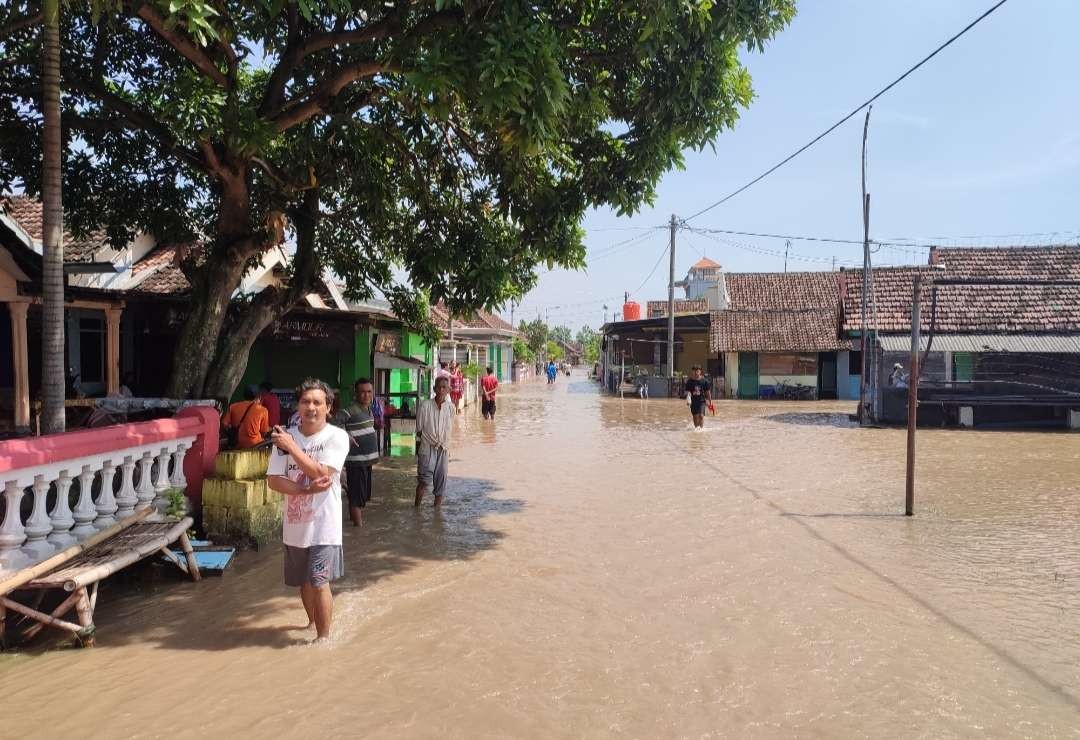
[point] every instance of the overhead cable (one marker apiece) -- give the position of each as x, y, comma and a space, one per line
846, 118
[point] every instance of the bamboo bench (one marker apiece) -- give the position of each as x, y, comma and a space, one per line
79, 569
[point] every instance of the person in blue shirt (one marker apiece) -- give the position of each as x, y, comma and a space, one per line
552, 371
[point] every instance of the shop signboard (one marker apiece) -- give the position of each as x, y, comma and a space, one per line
388, 343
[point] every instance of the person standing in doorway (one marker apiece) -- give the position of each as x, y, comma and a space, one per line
457, 386
434, 418
359, 423
489, 386
898, 378
306, 468
271, 403
698, 392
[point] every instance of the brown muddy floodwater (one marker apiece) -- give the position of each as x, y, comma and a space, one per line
600, 570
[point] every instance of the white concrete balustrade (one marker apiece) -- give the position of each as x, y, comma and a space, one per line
109, 486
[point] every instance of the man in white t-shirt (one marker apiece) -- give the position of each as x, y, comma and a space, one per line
306, 468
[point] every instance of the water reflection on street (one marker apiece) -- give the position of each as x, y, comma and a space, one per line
600, 570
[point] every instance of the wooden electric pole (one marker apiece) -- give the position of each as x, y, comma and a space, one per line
865, 402
671, 309
913, 395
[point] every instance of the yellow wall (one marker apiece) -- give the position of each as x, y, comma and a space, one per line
694, 351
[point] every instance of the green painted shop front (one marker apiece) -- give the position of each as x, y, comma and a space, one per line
337, 352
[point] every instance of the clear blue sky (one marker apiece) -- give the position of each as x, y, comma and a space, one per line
983, 140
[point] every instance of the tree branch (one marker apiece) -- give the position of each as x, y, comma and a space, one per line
20, 23
305, 261
295, 53
381, 29
280, 178
409, 154
184, 45
139, 120
85, 123
322, 96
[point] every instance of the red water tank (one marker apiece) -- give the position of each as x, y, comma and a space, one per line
631, 311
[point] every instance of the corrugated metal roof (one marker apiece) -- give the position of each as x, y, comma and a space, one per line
1050, 343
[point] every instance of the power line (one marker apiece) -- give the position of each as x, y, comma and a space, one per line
793, 237
772, 252
1071, 234
619, 246
846, 118
651, 272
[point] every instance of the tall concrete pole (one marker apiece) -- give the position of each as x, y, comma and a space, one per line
671, 309
913, 394
865, 401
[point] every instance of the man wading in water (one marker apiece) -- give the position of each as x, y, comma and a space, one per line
359, 422
697, 392
306, 467
434, 417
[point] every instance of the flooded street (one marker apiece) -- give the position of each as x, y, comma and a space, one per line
600, 570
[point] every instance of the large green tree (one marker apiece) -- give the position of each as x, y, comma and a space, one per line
460, 141
536, 335
562, 334
589, 339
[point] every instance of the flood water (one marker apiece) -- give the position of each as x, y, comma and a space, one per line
600, 570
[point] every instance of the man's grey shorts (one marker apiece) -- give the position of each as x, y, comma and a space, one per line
431, 463
316, 565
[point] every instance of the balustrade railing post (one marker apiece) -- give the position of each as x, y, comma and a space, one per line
161, 483
39, 525
62, 521
12, 533
177, 479
126, 498
106, 502
145, 490
85, 512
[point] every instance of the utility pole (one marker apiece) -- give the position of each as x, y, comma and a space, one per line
671, 309
787, 246
511, 314
913, 395
834, 263
865, 411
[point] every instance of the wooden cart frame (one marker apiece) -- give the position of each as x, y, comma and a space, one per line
81, 568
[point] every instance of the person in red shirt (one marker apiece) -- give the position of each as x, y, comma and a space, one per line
488, 385
270, 402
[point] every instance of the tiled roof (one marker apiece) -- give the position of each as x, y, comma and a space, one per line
782, 290
805, 330
479, 320
704, 264
154, 260
990, 309
166, 281
28, 212
656, 309
165, 277
1009, 263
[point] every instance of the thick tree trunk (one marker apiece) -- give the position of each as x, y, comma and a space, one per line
196, 345
52, 345
213, 288
234, 348
234, 345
